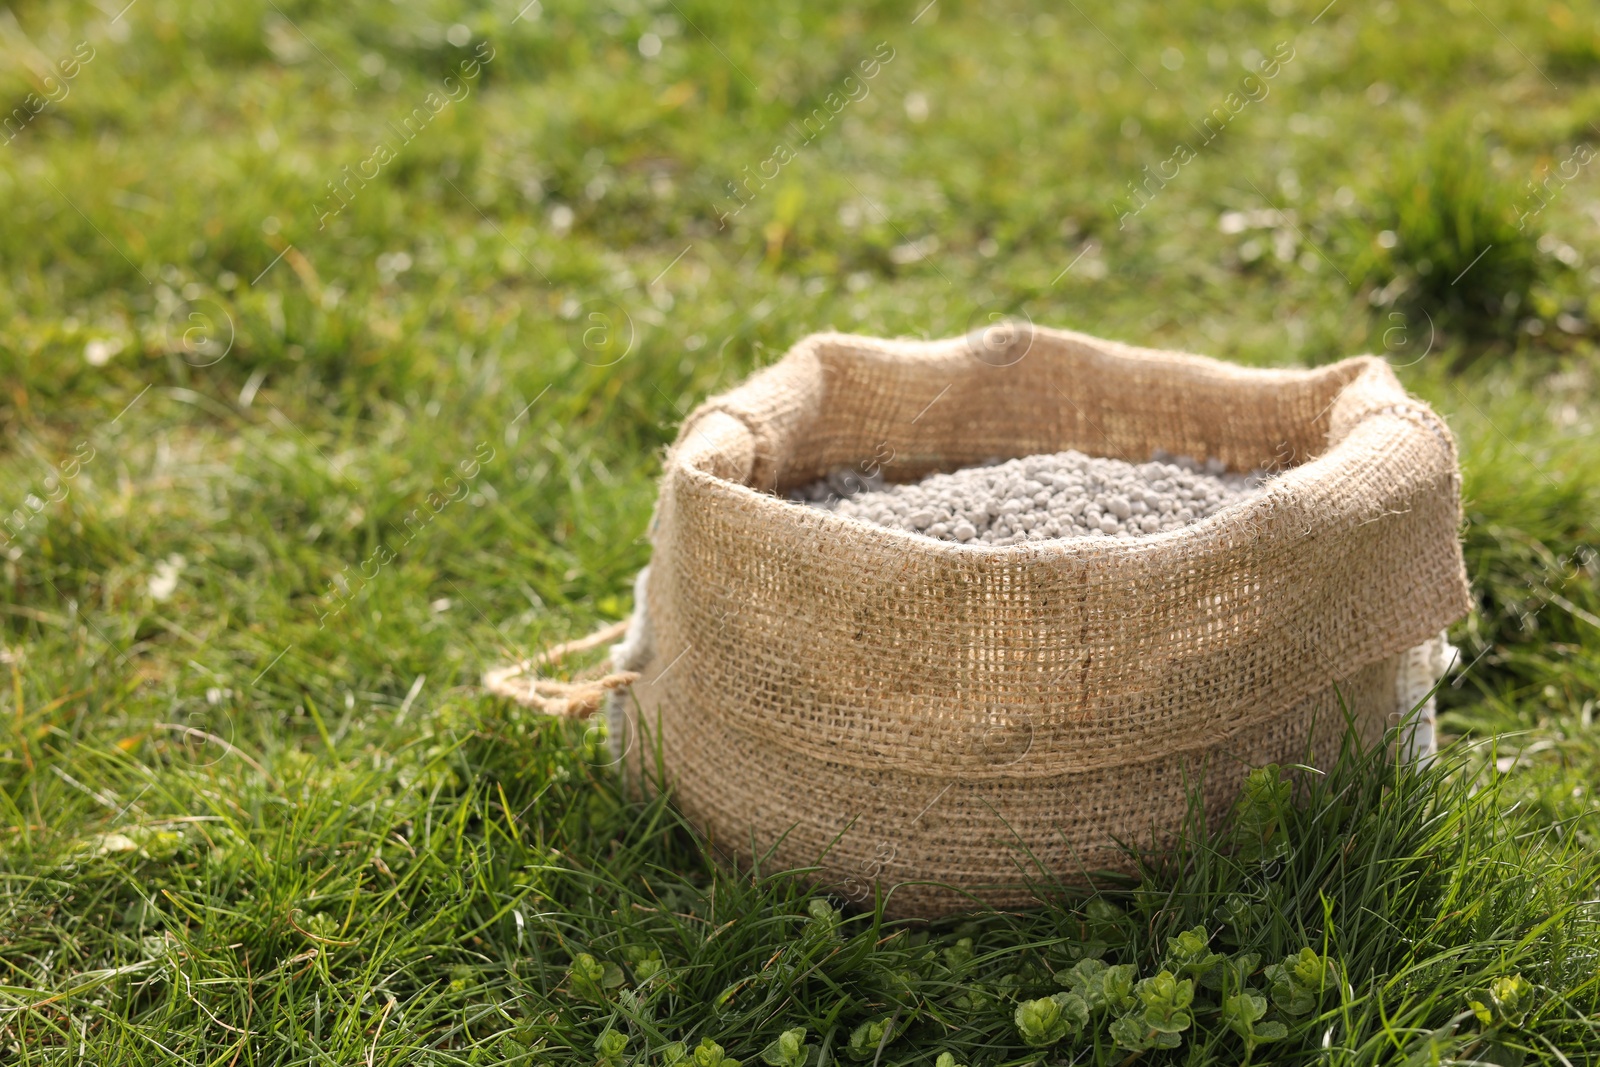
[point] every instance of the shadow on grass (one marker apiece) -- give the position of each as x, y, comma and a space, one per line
1450, 927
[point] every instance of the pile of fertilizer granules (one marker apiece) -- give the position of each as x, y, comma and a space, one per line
1034, 498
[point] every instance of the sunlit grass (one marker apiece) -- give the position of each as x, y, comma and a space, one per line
253, 808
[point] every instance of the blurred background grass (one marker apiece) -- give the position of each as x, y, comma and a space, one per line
221, 397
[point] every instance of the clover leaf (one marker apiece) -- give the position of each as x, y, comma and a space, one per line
646, 962
610, 1045
1190, 953
1166, 1002
1162, 1015
1048, 1020
824, 919
1242, 1012
1506, 1002
1258, 815
1299, 982
958, 957
709, 1054
788, 1049
1102, 986
589, 979
866, 1039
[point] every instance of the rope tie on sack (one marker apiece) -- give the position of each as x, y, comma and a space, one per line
577, 699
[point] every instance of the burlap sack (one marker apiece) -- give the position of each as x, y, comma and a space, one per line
952, 721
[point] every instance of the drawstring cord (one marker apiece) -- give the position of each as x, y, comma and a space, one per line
576, 699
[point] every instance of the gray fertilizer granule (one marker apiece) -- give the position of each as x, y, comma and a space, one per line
1035, 498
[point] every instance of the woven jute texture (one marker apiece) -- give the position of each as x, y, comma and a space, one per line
956, 722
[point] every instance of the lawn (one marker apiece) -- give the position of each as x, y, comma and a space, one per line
339, 344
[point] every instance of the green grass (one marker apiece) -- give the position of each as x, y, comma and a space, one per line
253, 808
